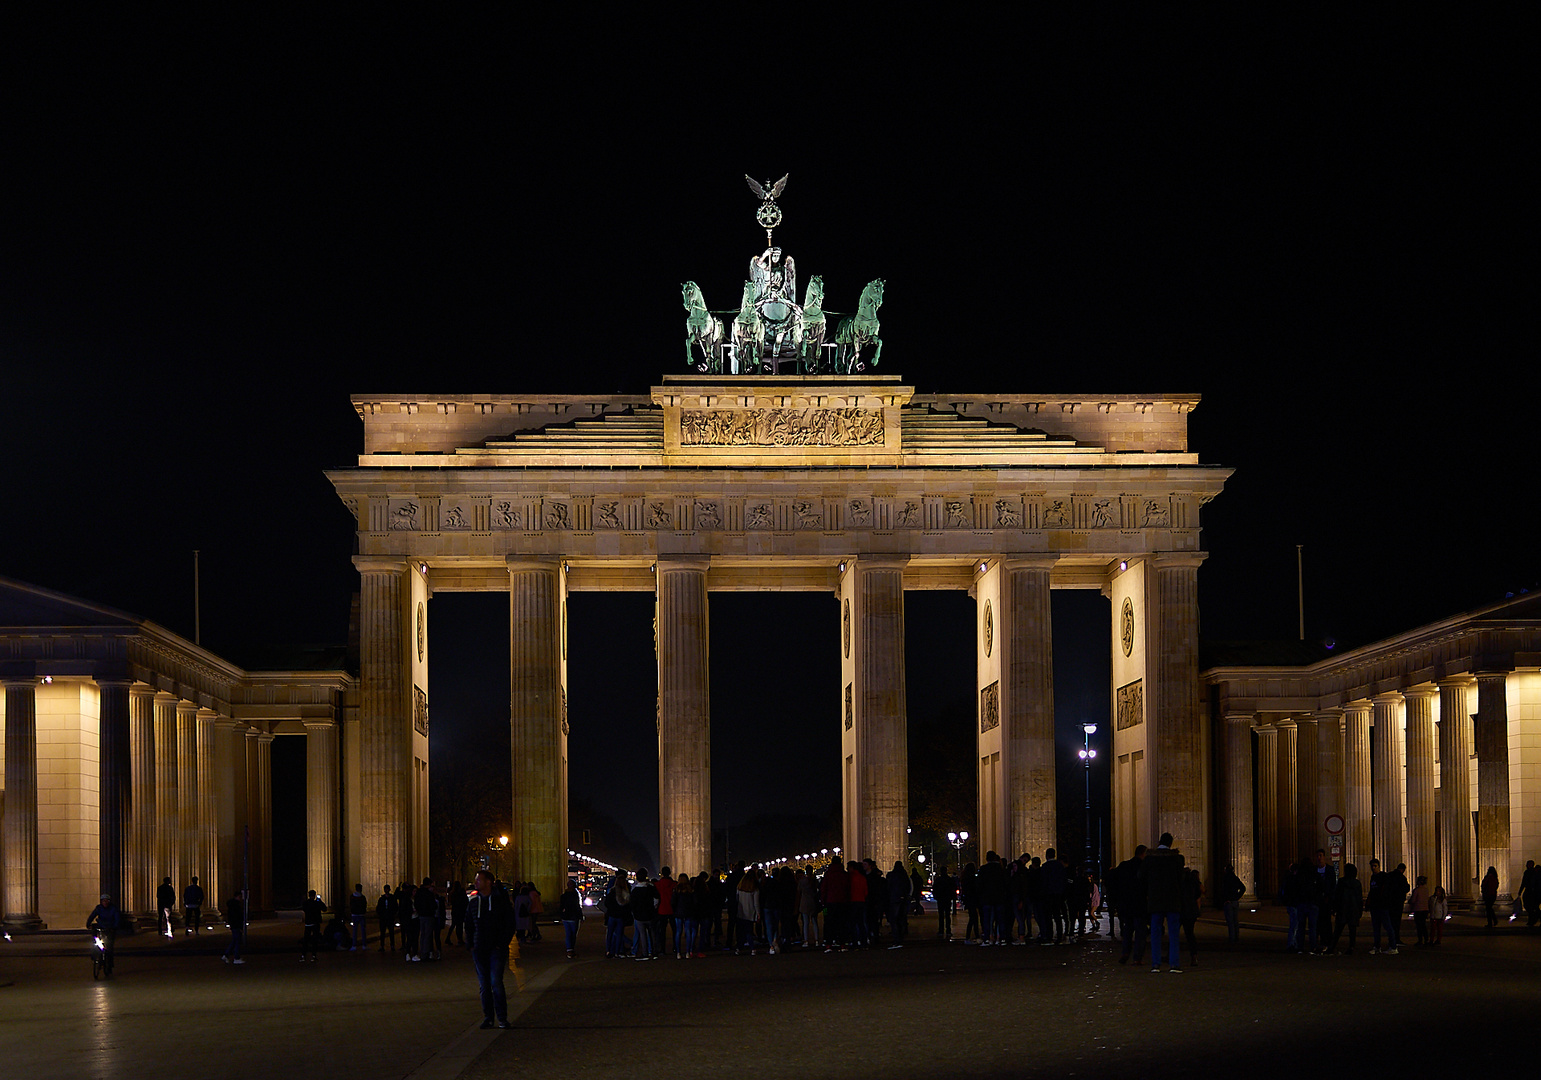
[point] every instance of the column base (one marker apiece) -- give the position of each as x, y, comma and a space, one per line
24, 924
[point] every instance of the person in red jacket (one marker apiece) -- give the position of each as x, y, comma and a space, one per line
666, 917
835, 892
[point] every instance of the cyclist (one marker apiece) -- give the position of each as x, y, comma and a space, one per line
104, 919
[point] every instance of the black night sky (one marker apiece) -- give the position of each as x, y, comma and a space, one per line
212, 234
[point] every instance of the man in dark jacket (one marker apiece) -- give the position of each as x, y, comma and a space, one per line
385, 914
311, 908
944, 890
1053, 884
192, 902
166, 902
1162, 872
994, 896
490, 926
1129, 886
104, 920
644, 913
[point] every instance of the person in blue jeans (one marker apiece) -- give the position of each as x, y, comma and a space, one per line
490, 920
1161, 873
570, 910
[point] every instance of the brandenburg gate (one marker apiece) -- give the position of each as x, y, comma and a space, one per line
847, 484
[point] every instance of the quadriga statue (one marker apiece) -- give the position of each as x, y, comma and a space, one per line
813, 325
859, 330
702, 329
748, 332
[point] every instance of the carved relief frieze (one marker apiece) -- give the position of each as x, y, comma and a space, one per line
405, 516
958, 516
420, 711
759, 514
1130, 705
660, 515
1157, 514
990, 707
908, 514
781, 427
607, 515
1008, 513
558, 515
859, 513
850, 707
1104, 514
708, 516
808, 513
506, 515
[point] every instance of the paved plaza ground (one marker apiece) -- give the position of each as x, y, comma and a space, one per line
175, 1011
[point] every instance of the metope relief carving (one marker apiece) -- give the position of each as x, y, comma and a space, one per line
1104, 516
608, 515
707, 516
989, 628
1131, 705
861, 513
781, 427
908, 516
420, 711
505, 515
659, 516
1158, 514
850, 707
404, 517
810, 515
1008, 514
454, 516
758, 516
957, 514
990, 707
1126, 626
558, 516
1056, 514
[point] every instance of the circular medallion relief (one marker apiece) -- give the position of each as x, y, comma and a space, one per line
1126, 626
989, 628
845, 628
422, 632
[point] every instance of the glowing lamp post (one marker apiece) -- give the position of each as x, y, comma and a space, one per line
1087, 755
957, 840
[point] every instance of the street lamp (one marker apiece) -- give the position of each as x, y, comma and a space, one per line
1087, 754
957, 840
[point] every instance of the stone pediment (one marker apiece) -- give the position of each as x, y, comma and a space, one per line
24, 605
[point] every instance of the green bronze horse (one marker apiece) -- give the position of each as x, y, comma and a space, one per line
702, 328
856, 331
748, 332
813, 326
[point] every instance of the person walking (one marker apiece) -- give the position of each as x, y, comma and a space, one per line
358, 918
192, 907
944, 890
385, 916
644, 915
426, 904
1230, 891
235, 918
835, 891
993, 898
570, 910
311, 908
166, 903
1162, 871
1490, 895
617, 905
490, 927
899, 886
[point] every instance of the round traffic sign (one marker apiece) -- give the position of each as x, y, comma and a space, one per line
1334, 824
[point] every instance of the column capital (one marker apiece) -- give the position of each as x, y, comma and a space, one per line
185, 706
264, 736
378, 564
224, 723
318, 723
1492, 676
139, 689
19, 681
207, 714
1240, 718
1357, 707
1424, 690
114, 681
699, 563
1026, 561
1285, 724
1328, 714
880, 562
1389, 697
1463, 680
1176, 560
165, 697
526, 563
1267, 731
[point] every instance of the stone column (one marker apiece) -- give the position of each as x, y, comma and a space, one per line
189, 849
537, 850
1307, 765
167, 846
208, 807
321, 809
1491, 731
1268, 812
262, 827
231, 786
1388, 779
1289, 799
1027, 677
1329, 774
1420, 783
20, 830
684, 716
385, 721
1173, 704
1460, 868
254, 830
114, 769
883, 762
1238, 796
1357, 787
142, 847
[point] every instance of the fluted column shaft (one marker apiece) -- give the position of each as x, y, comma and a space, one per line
321, 809
189, 848
1357, 786
684, 717
167, 847
1460, 866
231, 770
114, 771
20, 832
1491, 730
1388, 779
1027, 667
537, 850
1329, 774
385, 723
1289, 799
1238, 796
883, 760
1420, 783
1307, 765
1268, 862
262, 827
1173, 704
208, 806
142, 849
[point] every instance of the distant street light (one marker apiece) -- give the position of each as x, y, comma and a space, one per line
957, 840
1087, 755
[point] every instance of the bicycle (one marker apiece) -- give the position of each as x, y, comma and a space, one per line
98, 956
